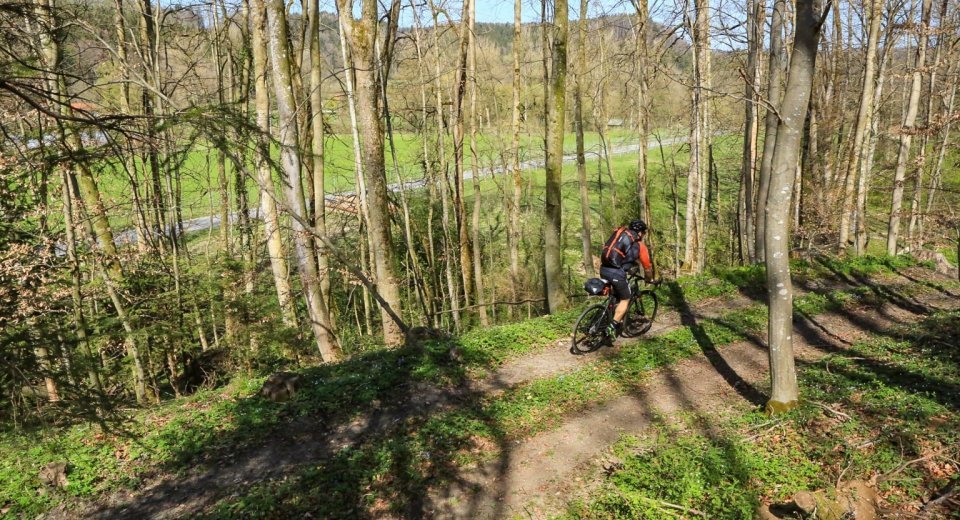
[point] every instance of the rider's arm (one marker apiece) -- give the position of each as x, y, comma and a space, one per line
646, 263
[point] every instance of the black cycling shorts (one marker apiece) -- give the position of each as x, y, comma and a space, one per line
618, 280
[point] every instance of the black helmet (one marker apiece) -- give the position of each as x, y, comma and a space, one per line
638, 226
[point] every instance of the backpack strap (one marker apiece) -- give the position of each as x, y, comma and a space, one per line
612, 246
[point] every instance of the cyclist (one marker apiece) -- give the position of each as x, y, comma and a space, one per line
623, 253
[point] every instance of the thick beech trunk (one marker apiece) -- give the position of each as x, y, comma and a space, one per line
555, 110
784, 392
362, 35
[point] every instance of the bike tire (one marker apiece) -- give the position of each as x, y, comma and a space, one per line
590, 332
643, 310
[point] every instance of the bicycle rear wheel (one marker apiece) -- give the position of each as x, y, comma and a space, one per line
590, 332
643, 310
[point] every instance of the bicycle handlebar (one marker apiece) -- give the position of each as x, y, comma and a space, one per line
636, 276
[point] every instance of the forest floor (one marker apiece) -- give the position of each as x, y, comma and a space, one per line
509, 423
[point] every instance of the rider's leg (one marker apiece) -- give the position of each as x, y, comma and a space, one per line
621, 310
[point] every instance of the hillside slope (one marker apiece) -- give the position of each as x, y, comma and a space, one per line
497, 423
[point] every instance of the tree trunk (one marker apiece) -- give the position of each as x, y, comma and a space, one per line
475, 168
906, 132
643, 108
97, 223
784, 392
429, 174
916, 216
317, 149
362, 35
864, 115
581, 156
363, 214
459, 209
150, 69
517, 173
774, 89
866, 165
293, 184
936, 176
449, 244
552, 253
748, 167
268, 206
79, 322
695, 241
144, 237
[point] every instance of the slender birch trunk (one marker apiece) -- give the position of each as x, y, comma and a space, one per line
268, 205
293, 185
907, 130
579, 77
864, 115
774, 90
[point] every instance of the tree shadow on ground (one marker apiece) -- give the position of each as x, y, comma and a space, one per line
365, 437
317, 454
685, 457
689, 320
718, 459
939, 334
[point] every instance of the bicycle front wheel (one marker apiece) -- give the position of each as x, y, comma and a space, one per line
591, 329
643, 310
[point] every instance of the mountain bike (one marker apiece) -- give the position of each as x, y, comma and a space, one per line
594, 327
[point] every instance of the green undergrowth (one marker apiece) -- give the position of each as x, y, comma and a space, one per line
392, 474
215, 424
883, 410
211, 424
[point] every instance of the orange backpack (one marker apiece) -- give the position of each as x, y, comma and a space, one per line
616, 247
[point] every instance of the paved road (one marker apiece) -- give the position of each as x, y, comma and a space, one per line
129, 236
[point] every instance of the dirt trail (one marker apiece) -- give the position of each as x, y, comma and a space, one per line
531, 473
540, 475
304, 442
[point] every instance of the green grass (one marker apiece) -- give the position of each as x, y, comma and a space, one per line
199, 174
391, 474
212, 424
900, 395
